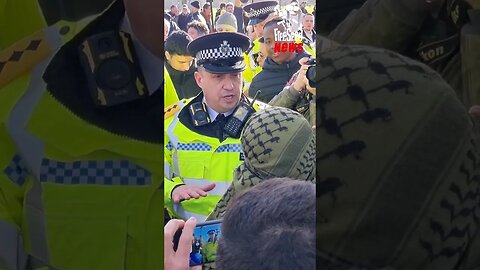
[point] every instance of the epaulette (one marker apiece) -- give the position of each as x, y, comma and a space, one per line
21, 56
259, 105
171, 110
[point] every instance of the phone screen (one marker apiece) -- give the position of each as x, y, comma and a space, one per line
205, 242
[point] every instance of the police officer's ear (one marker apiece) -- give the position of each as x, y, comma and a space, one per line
198, 77
168, 56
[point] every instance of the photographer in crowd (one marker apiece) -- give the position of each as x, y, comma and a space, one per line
280, 66
299, 94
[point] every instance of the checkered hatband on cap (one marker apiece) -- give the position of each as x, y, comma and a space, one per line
222, 52
262, 11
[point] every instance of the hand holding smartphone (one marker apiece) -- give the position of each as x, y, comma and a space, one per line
204, 242
177, 257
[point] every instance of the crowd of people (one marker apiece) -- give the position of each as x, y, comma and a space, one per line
223, 138
392, 184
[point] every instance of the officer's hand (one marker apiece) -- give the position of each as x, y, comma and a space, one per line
186, 192
180, 259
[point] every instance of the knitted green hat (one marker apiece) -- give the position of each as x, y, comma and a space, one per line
398, 183
227, 22
276, 142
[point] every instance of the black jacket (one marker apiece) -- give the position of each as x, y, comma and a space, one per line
273, 77
184, 81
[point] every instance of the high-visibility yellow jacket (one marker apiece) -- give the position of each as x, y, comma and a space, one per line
195, 159
252, 68
74, 192
170, 94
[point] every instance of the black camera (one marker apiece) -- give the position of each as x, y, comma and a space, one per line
112, 69
198, 113
312, 72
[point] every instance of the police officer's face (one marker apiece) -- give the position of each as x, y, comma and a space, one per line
222, 91
258, 29
308, 22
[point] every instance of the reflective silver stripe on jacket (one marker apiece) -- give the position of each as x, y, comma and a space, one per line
12, 254
30, 148
173, 139
219, 190
187, 214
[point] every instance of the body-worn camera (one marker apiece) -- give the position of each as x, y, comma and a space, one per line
198, 113
312, 72
111, 68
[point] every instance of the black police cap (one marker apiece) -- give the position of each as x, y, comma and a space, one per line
220, 52
259, 11
211, 232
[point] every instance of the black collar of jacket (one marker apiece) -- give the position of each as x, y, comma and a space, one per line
141, 120
211, 129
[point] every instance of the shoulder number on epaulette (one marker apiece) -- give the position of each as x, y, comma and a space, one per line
171, 110
22, 56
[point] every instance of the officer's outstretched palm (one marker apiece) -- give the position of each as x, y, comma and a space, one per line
187, 192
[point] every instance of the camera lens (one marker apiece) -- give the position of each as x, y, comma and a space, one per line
312, 76
200, 116
113, 74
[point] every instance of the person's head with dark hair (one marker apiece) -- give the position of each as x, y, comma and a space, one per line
176, 52
174, 10
270, 226
206, 6
222, 5
197, 29
229, 7
207, 10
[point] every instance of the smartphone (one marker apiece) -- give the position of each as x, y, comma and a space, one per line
205, 242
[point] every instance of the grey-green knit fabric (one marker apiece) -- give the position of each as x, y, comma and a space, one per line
276, 142
398, 183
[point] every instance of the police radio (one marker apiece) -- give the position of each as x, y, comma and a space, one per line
240, 116
112, 69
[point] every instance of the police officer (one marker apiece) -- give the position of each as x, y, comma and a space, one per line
79, 179
259, 14
202, 146
210, 247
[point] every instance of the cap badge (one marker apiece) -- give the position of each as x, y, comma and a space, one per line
225, 48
